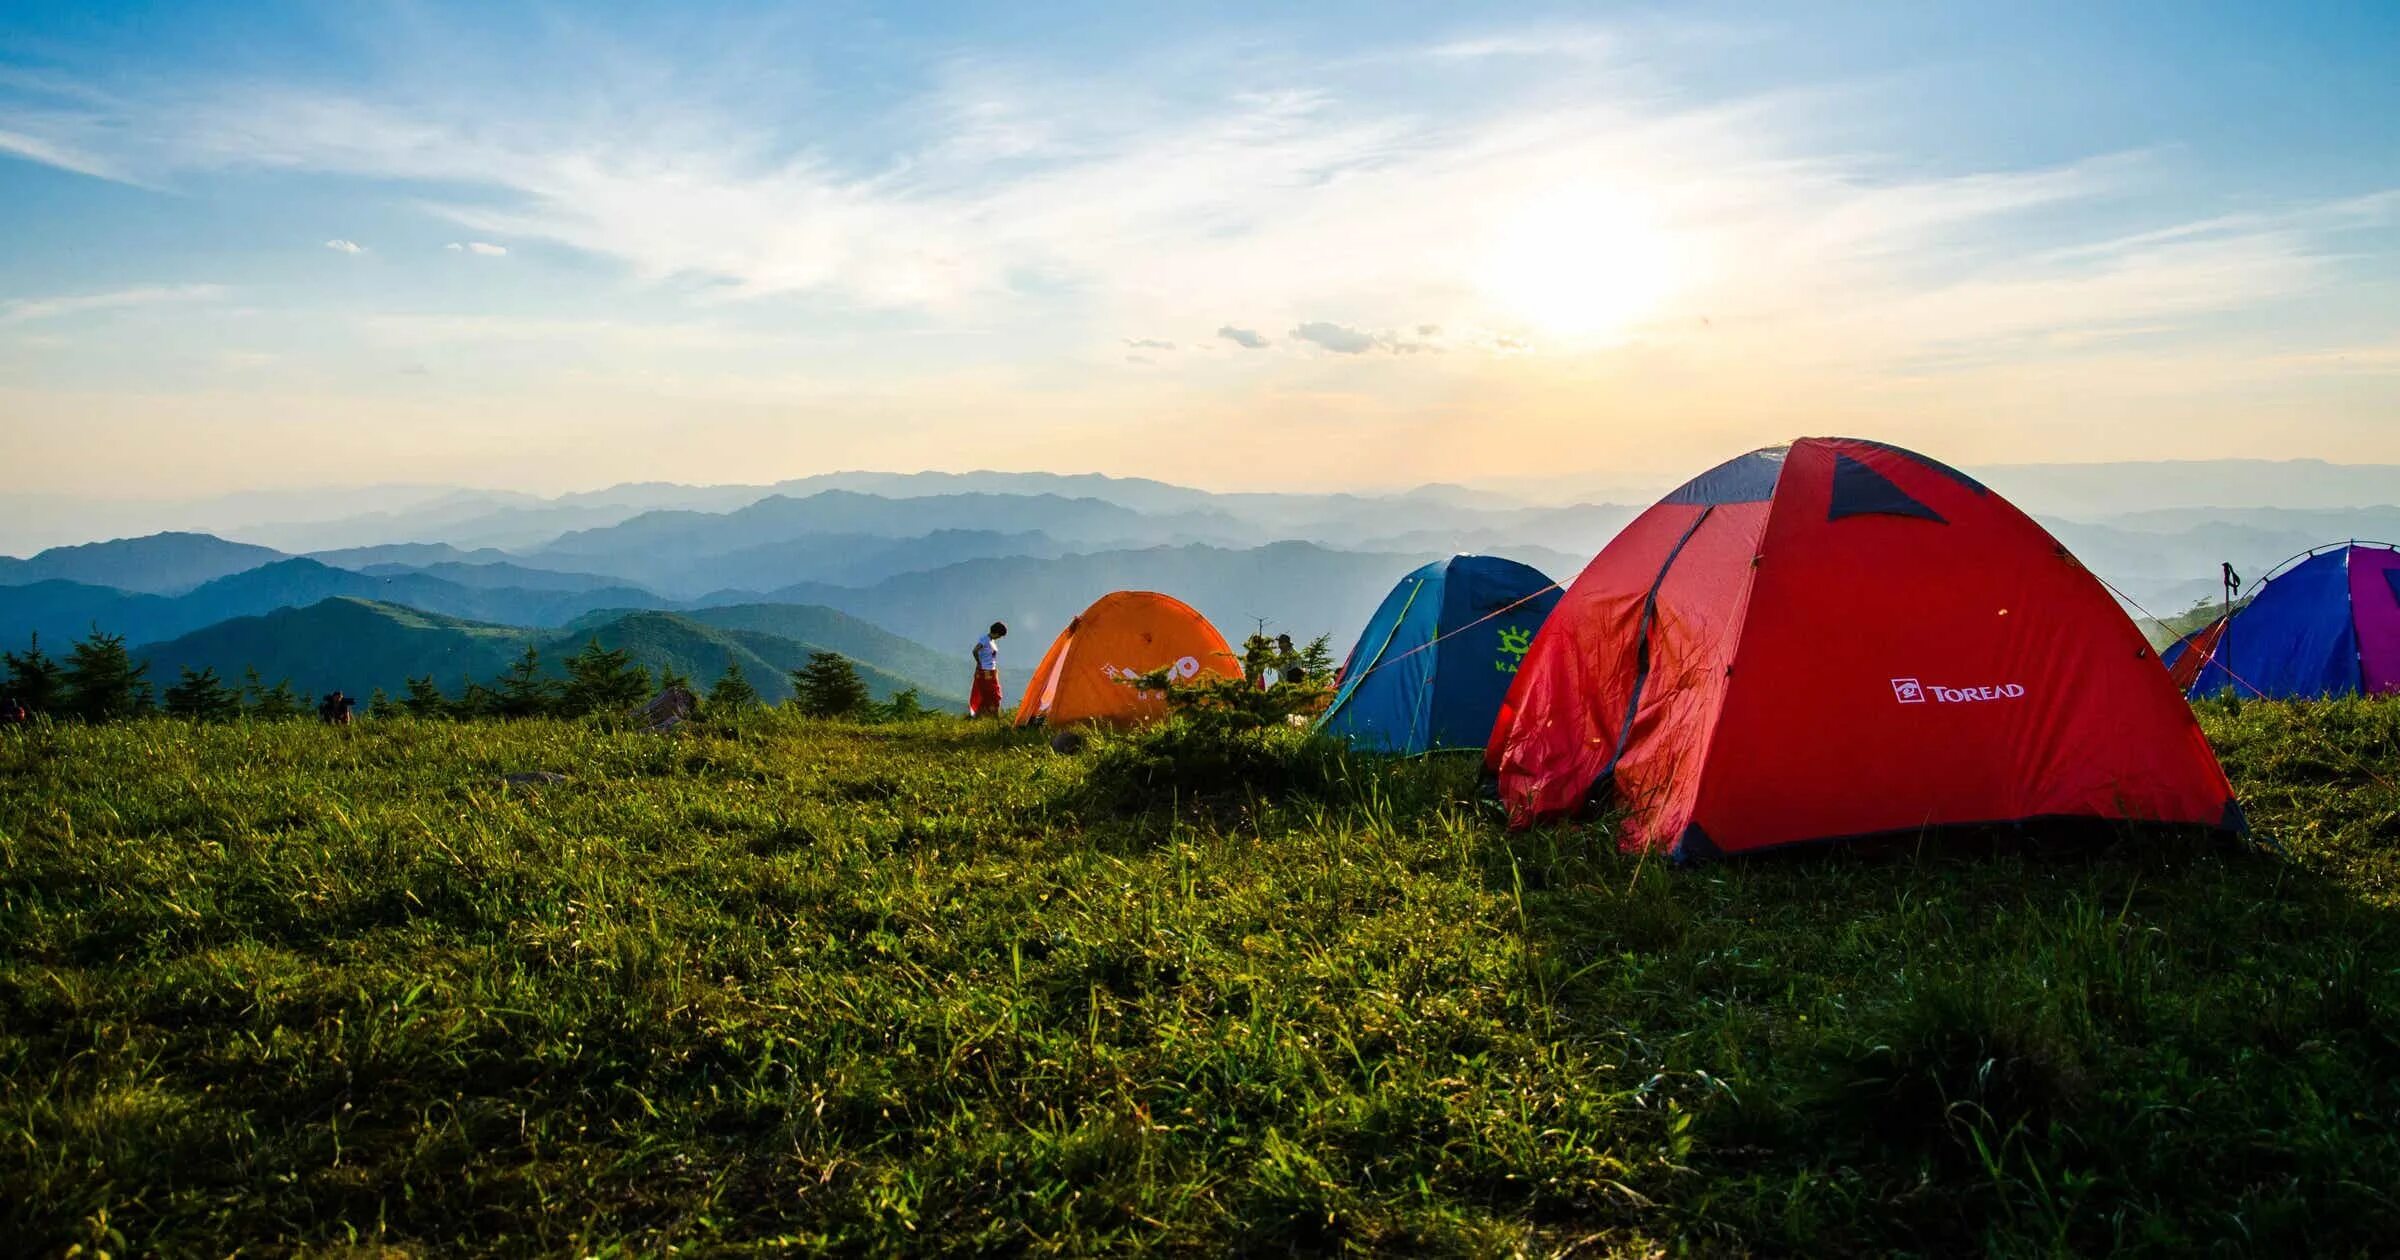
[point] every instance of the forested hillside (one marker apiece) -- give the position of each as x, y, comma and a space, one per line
360, 646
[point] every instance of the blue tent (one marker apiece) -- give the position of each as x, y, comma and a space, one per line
1437, 658
2325, 623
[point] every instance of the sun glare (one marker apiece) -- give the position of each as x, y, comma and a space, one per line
1584, 263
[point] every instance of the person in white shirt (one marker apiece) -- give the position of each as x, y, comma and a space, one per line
984, 696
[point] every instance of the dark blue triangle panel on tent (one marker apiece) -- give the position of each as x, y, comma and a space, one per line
1437, 657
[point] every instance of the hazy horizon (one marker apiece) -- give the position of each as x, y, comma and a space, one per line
284, 516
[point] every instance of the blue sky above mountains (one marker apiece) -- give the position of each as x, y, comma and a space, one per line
262, 245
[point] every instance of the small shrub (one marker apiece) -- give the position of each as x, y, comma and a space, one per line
1197, 761
1234, 704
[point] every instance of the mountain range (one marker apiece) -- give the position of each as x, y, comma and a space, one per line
60, 610
1294, 587
929, 558
359, 646
161, 564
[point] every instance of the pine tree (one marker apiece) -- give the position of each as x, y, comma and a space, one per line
603, 681
379, 704
203, 697
424, 700
103, 683
906, 705
828, 686
523, 692
35, 679
475, 701
1317, 659
732, 695
278, 703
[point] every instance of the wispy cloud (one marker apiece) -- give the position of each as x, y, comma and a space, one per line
60, 154
1313, 200
341, 246
1572, 230
1571, 42
1339, 339
25, 310
1334, 337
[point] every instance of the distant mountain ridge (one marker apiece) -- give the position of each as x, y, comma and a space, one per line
343, 517
61, 610
836, 512
157, 564
1299, 588
947, 673
498, 576
360, 645
697, 569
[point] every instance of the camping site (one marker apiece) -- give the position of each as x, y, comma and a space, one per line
1573, 629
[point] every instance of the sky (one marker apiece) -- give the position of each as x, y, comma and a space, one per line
256, 246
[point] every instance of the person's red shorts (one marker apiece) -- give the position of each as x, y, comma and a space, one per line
985, 697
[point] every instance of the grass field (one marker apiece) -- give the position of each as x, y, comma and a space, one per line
291, 989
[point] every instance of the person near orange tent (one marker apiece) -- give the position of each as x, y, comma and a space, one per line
984, 697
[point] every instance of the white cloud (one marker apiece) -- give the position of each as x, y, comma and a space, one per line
1149, 343
22, 310
1558, 43
1340, 339
60, 154
1247, 339
484, 248
341, 246
1334, 337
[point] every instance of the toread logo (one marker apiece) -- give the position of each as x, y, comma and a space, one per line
1910, 691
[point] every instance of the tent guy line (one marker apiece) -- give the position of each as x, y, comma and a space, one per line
1436, 640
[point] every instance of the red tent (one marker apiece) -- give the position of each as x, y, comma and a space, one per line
1841, 638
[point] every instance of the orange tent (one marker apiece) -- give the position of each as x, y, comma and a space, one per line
1123, 635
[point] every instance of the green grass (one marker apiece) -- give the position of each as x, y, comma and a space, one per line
289, 989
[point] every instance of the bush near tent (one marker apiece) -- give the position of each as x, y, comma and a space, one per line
1840, 638
1088, 674
1435, 661
2325, 623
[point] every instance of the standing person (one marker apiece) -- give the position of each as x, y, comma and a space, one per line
984, 697
335, 711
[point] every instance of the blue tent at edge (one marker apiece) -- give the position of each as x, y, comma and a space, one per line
2324, 624
1437, 657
